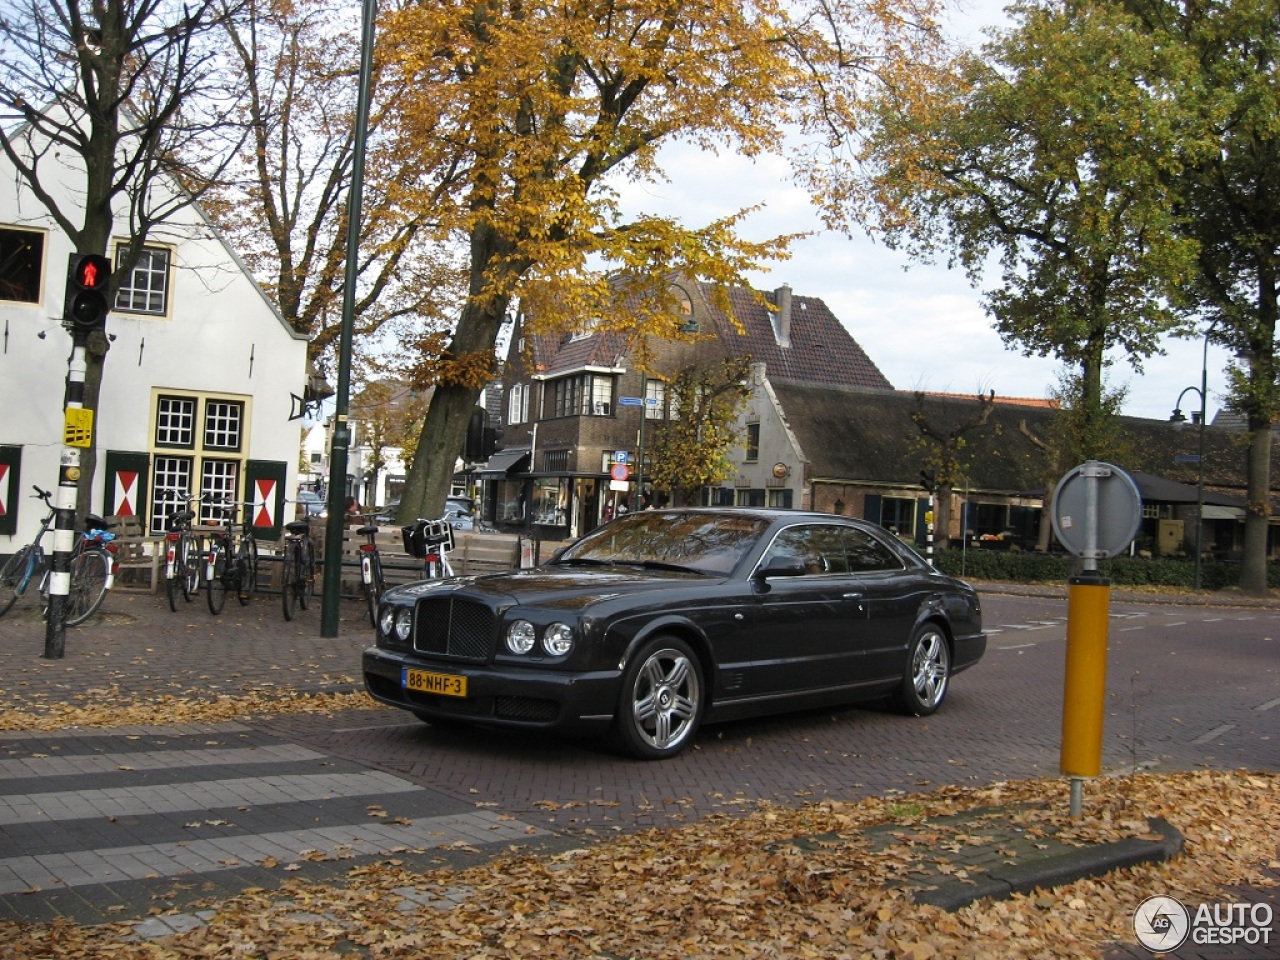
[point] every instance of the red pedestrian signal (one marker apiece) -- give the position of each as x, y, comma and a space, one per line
85, 307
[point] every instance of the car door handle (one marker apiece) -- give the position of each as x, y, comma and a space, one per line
853, 596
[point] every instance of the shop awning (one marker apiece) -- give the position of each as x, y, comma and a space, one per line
504, 462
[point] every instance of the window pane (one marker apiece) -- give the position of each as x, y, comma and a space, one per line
868, 553
176, 422
655, 392
21, 253
145, 288
168, 473
601, 396
219, 481
223, 422
513, 404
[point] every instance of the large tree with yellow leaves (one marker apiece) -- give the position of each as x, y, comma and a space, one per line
521, 118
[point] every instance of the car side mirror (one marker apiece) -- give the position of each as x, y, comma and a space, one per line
781, 566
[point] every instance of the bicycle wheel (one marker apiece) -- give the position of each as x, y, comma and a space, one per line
215, 578
189, 564
175, 576
247, 566
11, 576
373, 589
306, 572
173, 585
89, 572
289, 581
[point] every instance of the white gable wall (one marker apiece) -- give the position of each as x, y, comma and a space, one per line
220, 336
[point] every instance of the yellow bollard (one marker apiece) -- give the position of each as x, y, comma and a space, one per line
1084, 697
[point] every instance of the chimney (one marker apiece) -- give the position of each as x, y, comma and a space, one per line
782, 321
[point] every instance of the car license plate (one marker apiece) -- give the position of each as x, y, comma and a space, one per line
445, 684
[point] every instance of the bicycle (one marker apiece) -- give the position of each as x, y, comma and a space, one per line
182, 552
92, 567
431, 541
231, 562
299, 567
372, 582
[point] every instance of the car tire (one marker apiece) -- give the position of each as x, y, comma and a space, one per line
662, 699
928, 674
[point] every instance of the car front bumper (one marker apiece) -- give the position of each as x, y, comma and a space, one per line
500, 695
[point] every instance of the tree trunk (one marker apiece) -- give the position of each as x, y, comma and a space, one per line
942, 516
1253, 562
444, 430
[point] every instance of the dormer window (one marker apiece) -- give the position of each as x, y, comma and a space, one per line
582, 395
587, 330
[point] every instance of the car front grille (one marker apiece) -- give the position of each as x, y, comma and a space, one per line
531, 709
450, 627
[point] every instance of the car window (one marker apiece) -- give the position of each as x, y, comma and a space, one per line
866, 553
827, 549
706, 542
798, 544
821, 548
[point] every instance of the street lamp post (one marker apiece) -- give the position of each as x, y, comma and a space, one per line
1178, 417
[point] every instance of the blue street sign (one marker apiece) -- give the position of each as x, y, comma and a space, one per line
1186, 458
629, 401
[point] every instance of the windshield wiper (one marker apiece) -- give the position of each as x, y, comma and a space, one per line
661, 565
581, 562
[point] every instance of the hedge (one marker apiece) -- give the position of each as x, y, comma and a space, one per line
1029, 567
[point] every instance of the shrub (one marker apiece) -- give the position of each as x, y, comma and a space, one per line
1029, 567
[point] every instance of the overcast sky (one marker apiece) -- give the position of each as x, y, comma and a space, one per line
920, 324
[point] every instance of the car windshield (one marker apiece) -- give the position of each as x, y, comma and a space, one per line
703, 542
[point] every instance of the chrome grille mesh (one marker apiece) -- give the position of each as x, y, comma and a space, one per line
449, 627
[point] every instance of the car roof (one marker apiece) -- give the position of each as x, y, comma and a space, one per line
764, 513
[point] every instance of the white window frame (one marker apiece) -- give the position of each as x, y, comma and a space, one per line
141, 299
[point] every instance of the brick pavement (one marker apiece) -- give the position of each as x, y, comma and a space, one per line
139, 648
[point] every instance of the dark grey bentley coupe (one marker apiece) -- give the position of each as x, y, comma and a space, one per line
662, 620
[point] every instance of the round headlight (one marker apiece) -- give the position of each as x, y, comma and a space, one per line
520, 636
558, 640
404, 623
387, 620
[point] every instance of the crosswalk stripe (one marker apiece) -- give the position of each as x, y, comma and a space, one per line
45, 767
114, 864
201, 795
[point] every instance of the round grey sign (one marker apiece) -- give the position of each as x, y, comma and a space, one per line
1106, 516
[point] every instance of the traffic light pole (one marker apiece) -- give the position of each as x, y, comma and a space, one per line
64, 522
84, 311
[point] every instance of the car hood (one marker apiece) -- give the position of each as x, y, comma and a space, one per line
568, 587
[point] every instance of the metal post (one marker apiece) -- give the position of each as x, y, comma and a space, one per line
1085, 688
929, 531
342, 431
1204, 412
64, 529
644, 413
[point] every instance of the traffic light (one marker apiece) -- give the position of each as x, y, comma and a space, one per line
88, 277
482, 439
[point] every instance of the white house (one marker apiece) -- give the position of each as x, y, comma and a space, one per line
198, 387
